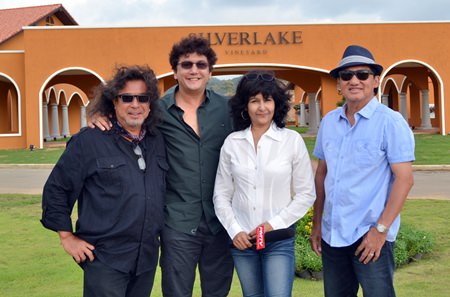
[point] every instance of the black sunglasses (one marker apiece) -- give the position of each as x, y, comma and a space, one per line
128, 98
347, 75
263, 76
188, 65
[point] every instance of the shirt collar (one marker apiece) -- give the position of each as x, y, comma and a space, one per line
367, 111
171, 99
273, 132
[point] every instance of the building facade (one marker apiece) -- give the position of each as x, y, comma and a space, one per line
48, 72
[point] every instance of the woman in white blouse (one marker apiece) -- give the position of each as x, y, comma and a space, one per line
264, 179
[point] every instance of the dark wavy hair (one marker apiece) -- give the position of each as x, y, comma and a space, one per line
248, 88
106, 93
189, 45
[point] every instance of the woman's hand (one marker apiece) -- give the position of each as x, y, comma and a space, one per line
267, 228
242, 241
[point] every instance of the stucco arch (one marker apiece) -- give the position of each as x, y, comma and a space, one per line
12, 89
401, 66
69, 75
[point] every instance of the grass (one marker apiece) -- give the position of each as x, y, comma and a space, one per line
33, 263
430, 150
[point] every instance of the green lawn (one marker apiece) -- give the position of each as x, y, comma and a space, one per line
32, 262
430, 150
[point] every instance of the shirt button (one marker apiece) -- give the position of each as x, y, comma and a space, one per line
254, 187
111, 166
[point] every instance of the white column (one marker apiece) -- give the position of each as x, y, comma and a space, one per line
426, 122
385, 100
45, 121
302, 115
65, 121
83, 122
317, 113
55, 121
403, 109
313, 121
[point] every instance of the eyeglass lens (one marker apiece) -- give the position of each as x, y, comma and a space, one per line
188, 64
263, 76
141, 162
347, 75
128, 98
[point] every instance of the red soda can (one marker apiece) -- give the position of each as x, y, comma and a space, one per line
260, 242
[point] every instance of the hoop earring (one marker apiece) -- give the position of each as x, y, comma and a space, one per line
242, 116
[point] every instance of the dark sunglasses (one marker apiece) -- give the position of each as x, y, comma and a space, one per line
188, 65
138, 152
128, 98
347, 75
263, 76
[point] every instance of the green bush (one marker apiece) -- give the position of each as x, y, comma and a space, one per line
400, 253
306, 259
415, 241
409, 244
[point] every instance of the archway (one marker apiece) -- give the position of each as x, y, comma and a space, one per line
69, 84
10, 107
420, 93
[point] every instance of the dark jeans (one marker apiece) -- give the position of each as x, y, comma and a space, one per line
101, 280
180, 254
343, 273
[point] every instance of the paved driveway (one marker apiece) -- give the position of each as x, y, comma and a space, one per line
26, 180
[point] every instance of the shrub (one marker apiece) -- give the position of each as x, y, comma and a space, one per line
410, 242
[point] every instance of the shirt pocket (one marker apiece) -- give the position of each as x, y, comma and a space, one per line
366, 153
163, 167
111, 173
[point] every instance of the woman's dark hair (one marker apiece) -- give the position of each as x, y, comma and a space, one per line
106, 93
253, 83
189, 45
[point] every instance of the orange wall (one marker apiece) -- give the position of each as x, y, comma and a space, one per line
319, 48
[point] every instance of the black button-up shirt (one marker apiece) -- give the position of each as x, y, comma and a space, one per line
120, 207
193, 161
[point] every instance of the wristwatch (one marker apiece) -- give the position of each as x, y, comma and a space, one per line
382, 228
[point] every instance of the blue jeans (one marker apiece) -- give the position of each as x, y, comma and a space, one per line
343, 273
267, 272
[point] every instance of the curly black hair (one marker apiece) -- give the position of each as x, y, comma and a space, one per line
247, 88
189, 45
106, 93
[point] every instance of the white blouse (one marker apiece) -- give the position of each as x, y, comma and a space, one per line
274, 184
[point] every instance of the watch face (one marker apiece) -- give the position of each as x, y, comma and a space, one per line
381, 228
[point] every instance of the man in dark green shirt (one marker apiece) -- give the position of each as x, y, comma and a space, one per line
196, 122
193, 161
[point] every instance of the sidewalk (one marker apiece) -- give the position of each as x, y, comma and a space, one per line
430, 181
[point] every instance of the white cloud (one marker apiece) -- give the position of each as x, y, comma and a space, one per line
125, 13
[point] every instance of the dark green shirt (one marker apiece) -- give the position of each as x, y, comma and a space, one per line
193, 161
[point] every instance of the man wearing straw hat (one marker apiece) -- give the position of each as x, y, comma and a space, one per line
364, 174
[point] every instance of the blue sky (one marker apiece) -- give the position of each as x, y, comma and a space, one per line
130, 13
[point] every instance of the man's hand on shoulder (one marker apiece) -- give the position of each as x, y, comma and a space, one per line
99, 121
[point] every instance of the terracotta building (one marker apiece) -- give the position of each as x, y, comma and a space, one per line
49, 65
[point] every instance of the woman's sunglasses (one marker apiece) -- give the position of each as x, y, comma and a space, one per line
263, 76
128, 98
188, 65
347, 75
